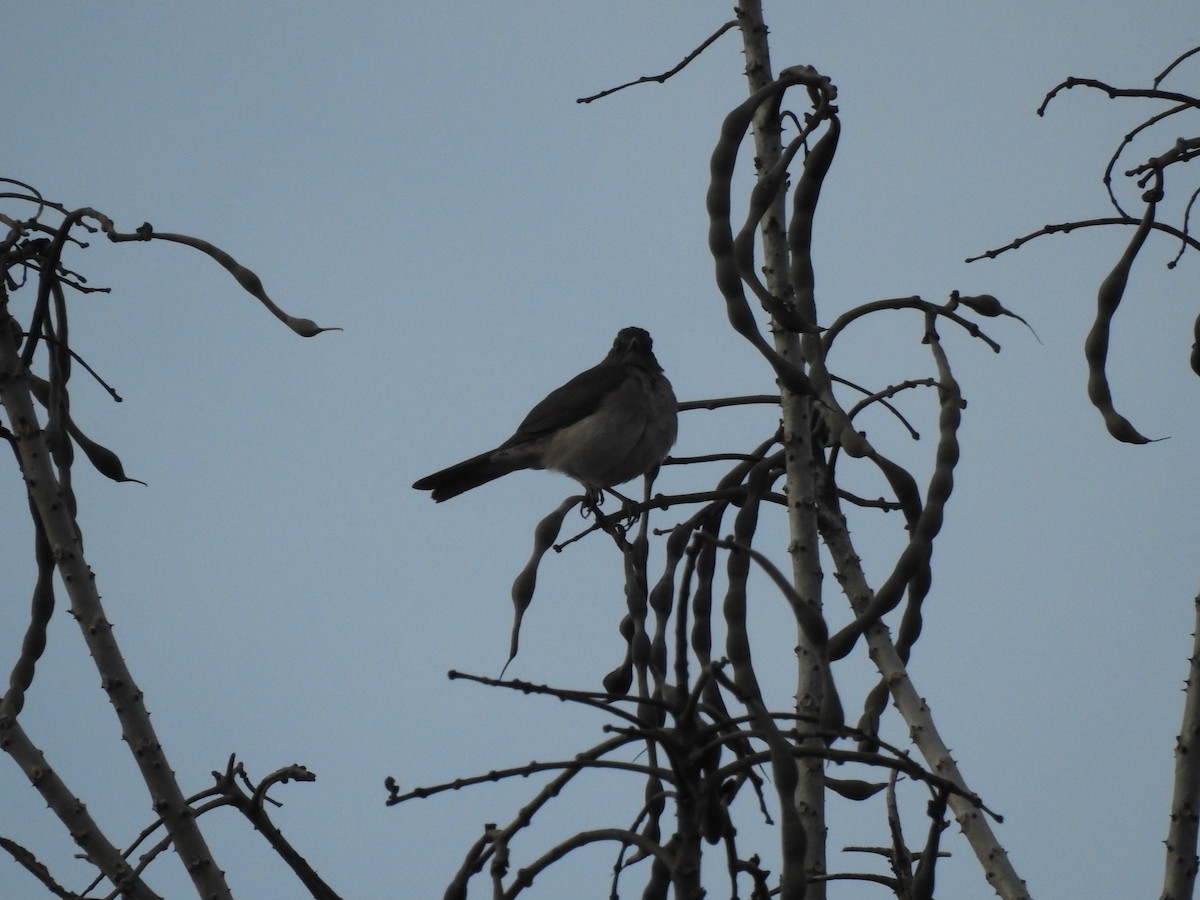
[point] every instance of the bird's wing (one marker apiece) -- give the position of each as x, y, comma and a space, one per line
575, 400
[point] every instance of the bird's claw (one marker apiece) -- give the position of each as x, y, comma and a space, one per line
593, 499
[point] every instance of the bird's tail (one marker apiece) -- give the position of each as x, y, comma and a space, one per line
468, 474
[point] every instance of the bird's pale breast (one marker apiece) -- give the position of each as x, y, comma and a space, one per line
631, 432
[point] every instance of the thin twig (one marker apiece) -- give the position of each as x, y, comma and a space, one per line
1066, 227
670, 72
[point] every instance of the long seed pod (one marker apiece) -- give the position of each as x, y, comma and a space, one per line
720, 230
525, 582
1095, 348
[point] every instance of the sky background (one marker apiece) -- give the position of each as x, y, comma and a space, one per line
420, 175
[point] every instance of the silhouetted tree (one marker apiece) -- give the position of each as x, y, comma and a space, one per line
692, 716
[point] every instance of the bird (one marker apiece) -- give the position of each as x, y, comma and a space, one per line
605, 426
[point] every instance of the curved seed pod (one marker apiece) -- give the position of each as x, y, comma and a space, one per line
662, 596
793, 839
816, 632
874, 705
984, 304
544, 536
105, 461
1196, 346
249, 281
903, 485
641, 651
809, 618
913, 563
707, 526
915, 302
720, 230
987, 305
854, 788
783, 310
39, 387
804, 207
658, 884
1095, 347
620, 679
799, 239
655, 805
34, 643
832, 716
706, 563
923, 878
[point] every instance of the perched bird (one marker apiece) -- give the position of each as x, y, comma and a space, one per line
614, 422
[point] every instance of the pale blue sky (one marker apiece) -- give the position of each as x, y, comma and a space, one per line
421, 175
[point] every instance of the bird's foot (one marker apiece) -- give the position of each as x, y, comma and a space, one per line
594, 499
589, 505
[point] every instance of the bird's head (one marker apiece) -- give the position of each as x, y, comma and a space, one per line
634, 345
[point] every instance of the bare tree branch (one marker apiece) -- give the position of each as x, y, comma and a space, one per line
670, 72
